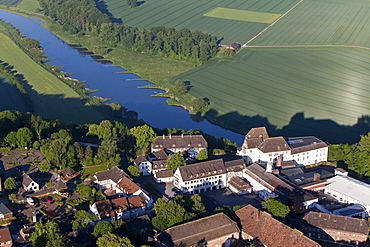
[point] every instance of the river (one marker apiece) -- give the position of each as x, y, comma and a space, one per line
111, 83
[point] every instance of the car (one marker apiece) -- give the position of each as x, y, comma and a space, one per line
30, 201
48, 199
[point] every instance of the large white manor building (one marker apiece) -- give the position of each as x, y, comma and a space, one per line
260, 148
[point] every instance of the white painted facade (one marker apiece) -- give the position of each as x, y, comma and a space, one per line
145, 168
259, 188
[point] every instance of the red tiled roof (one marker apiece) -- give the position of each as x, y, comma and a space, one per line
128, 186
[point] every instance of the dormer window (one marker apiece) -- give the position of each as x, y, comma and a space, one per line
156, 146
199, 145
173, 145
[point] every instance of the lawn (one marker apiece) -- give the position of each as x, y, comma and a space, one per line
189, 14
10, 3
242, 15
30, 5
93, 169
10, 97
51, 97
313, 22
321, 83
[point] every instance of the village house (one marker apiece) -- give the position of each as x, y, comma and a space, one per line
5, 213
120, 208
165, 176
214, 230
191, 144
24, 235
201, 177
5, 237
29, 184
260, 148
334, 228
108, 179
69, 173
158, 160
256, 224
144, 165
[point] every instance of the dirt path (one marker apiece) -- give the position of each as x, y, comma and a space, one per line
245, 45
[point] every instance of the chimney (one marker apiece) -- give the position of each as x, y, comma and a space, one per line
316, 177
269, 167
276, 171
34, 218
279, 161
170, 136
182, 135
164, 137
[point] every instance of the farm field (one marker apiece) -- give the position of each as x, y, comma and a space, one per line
10, 97
321, 22
189, 14
277, 84
10, 3
51, 97
30, 5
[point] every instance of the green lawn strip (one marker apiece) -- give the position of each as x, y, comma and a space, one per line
94, 169
242, 15
30, 5
52, 98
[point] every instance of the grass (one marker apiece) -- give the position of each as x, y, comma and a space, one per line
322, 83
10, 97
30, 5
189, 14
242, 15
10, 3
322, 22
93, 169
51, 97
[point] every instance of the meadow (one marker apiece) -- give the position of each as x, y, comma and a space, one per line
190, 14
324, 22
10, 97
322, 83
51, 97
30, 5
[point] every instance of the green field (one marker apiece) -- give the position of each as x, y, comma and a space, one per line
321, 22
189, 14
10, 3
30, 5
323, 83
242, 15
10, 97
51, 97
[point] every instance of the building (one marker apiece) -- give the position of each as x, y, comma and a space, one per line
179, 143
355, 210
239, 186
24, 235
5, 213
120, 208
214, 230
259, 147
349, 190
235, 168
256, 224
29, 184
201, 177
144, 165
334, 228
165, 176
5, 237
108, 179
158, 160
69, 173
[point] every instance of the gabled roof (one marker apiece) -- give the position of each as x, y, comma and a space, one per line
68, 172
202, 169
4, 209
196, 231
164, 174
5, 235
161, 155
159, 164
115, 174
140, 159
60, 185
27, 180
259, 132
128, 186
270, 231
105, 209
239, 184
108, 208
274, 144
235, 165
179, 141
336, 222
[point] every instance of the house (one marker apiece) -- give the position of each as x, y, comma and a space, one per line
69, 173
29, 184
24, 235
349, 190
334, 228
5, 237
158, 160
165, 176
256, 224
5, 213
214, 230
233, 46
180, 143
259, 147
239, 186
355, 210
108, 179
201, 177
144, 165
120, 208
235, 168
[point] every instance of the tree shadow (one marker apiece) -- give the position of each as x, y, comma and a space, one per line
103, 7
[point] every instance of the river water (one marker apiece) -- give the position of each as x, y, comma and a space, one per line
111, 83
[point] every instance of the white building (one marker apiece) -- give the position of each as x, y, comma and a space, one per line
179, 143
144, 165
349, 190
201, 177
259, 147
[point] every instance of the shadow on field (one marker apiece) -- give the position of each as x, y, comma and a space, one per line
103, 7
326, 129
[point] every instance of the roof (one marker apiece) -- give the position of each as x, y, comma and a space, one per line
128, 186
69, 171
4, 209
27, 180
115, 174
204, 229
161, 155
304, 144
140, 159
270, 231
350, 187
239, 184
350, 210
337, 222
202, 169
159, 164
259, 132
60, 185
274, 144
235, 165
5, 235
164, 174
234, 45
107, 208
308, 176
179, 141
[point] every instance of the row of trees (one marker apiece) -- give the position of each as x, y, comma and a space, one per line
84, 17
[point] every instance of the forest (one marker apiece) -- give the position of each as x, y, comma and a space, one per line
84, 18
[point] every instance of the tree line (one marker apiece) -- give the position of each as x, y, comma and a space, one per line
83, 17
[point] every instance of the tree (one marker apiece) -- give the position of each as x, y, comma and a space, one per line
144, 135
82, 219
112, 240
79, 151
202, 155
198, 104
176, 160
275, 207
47, 235
9, 184
13, 197
24, 137
44, 167
102, 228
38, 125
180, 87
11, 139
108, 153
134, 170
